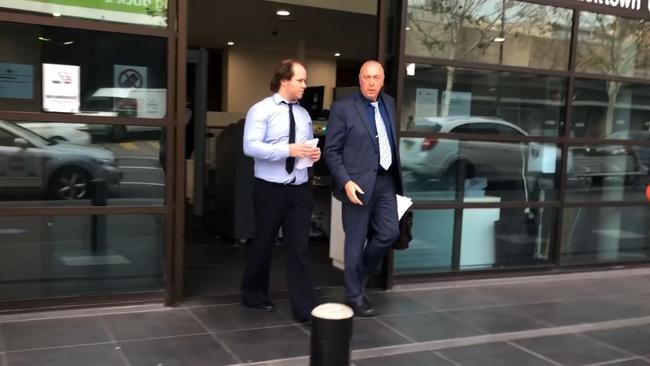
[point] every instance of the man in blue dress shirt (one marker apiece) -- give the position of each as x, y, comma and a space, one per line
274, 136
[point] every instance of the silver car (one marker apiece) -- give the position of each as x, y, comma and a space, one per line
30, 163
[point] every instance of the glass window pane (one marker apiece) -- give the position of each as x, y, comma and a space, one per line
52, 256
119, 74
431, 247
494, 170
145, 12
493, 31
611, 109
80, 164
498, 237
613, 45
605, 234
447, 99
607, 173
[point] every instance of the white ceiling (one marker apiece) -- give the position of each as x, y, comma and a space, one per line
252, 24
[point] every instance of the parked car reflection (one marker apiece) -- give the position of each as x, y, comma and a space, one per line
30, 163
76, 133
439, 159
591, 165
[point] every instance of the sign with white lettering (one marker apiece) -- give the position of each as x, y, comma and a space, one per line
61, 88
148, 12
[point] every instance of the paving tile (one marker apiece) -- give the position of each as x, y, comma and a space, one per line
152, 324
200, 350
234, 317
571, 349
96, 355
267, 344
452, 298
635, 340
367, 333
53, 333
387, 303
498, 319
635, 362
409, 359
492, 354
580, 311
429, 326
536, 292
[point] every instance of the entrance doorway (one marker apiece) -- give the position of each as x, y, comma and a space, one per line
234, 47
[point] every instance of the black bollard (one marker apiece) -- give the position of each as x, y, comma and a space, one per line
99, 193
331, 330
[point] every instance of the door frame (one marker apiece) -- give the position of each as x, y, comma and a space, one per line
174, 288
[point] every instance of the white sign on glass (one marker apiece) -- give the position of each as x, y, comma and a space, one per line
61, 88
460, 103
426, 102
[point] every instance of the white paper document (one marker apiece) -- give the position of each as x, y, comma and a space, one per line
302, 163
403, 204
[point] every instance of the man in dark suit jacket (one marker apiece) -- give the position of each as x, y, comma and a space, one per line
361, 153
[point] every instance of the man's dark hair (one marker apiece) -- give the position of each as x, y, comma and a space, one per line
284, 71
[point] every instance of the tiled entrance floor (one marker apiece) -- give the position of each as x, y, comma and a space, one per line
582, 319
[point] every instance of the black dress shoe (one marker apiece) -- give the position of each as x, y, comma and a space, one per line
362, 308
266, 306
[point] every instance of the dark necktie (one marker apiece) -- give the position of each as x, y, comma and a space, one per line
292, 138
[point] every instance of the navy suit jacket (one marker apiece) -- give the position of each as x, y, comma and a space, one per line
352, 148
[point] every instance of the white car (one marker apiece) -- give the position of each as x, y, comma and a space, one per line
439, 159
76, 133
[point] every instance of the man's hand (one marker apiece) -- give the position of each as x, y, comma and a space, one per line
351, 190
315, 156
301, 150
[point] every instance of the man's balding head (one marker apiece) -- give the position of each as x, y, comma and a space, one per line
371, 79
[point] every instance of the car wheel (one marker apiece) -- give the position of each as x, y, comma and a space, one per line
450, 176
118, 133
70, 183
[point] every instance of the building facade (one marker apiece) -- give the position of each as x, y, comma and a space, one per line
524, 139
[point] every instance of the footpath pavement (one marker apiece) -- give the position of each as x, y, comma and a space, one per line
595, 318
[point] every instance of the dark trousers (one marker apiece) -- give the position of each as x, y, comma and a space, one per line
375, 221
289, 207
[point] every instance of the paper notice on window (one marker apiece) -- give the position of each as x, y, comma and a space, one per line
403, 204
302, 163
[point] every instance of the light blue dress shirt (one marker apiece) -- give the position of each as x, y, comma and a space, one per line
266, 139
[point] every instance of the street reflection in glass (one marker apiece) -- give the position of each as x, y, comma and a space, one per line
494, 31
80, 164
607, 173
605, 234
506, 171
438, 99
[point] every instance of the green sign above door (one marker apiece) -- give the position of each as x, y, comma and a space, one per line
147, 12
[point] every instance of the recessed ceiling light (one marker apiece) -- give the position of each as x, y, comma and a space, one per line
337, 54
231, 43
56, 14
408, 28
283, 13
499, 39
44, 39
68, 43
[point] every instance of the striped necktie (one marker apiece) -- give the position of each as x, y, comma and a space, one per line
385, 153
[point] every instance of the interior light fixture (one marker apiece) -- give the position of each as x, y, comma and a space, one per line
44, 39
56, 14
499, 39
337, 54
68, 43
231, 43
408, 28
283, 13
